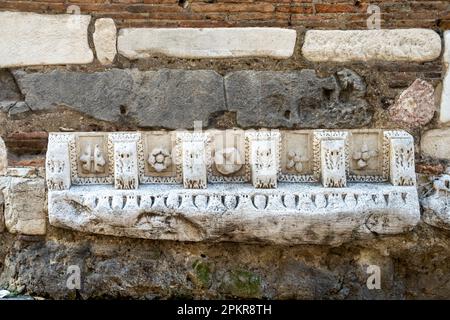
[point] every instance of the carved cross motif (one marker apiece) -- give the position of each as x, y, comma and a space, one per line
92, 162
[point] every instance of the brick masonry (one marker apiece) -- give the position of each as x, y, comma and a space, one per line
335, 14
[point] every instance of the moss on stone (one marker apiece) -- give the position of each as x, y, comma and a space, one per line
202, 272
244, 283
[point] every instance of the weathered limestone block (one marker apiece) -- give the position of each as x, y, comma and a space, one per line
2, 217
105, 40
370, 45
37, 39
138, 43
3, 157
297, 99
2, 211
415, 106
208, 204
435, 143
25, 205
445, 97
229, 212
164, 98
437, 205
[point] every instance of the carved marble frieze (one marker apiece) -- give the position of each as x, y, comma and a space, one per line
281, 186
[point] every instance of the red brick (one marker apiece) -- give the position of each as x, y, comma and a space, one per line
232, 7
28, 135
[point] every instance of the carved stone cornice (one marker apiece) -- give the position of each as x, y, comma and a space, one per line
293, 186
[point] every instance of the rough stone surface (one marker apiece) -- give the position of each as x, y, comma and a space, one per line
413, 265
12, 108
369, 45
2, 210
35, 39
105, 37
435, 143
415, 106
164, 98
176, 98
3, 157
8, 88
206, 42
437, 205
445, 97
25, 205
297, 99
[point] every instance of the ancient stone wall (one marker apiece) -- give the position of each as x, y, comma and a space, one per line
351, 108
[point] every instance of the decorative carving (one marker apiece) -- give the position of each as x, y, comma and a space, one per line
78, 146
332, 150
57, 164
296, 152
193, 159
142, 204
159, 140
228, 161
295, 161
229, 156
92, 160
363, 155
215, 212
264, 157
401, 149
320, 154
333, 163
368, 163
125, 160
160, 159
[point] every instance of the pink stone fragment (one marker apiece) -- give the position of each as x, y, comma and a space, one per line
415, 106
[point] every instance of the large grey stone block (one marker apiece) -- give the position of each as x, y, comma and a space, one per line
163, 98
297, 99
8, 88
176, 98
99, 94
